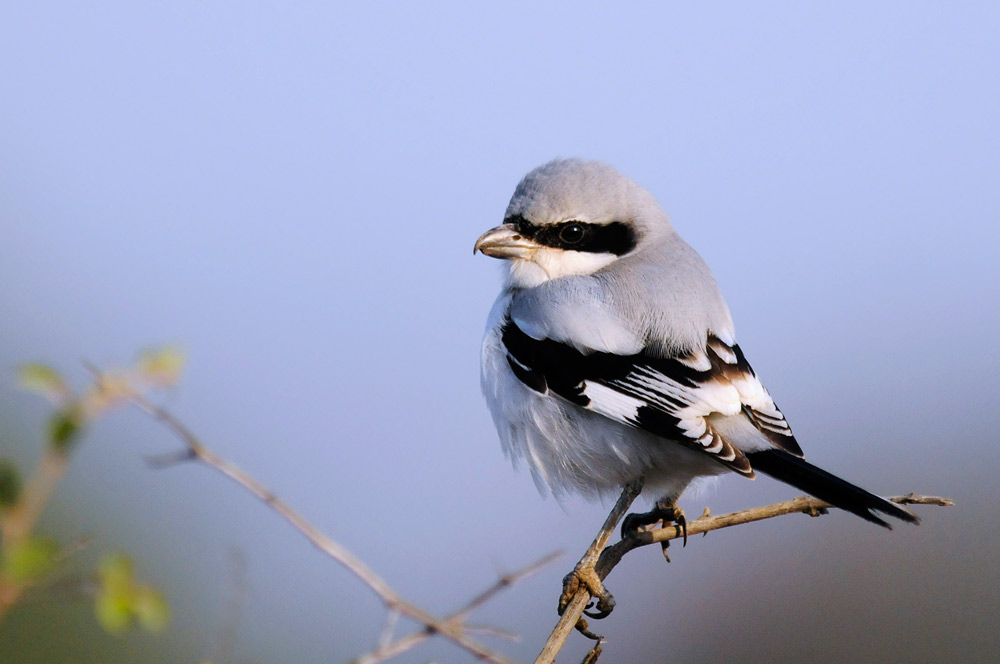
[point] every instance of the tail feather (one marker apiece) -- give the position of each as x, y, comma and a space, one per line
815, 481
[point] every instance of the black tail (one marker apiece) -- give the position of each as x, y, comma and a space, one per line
790, 469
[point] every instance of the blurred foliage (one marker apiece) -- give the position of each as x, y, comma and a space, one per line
162, 366
64, 428
10, 483
122, 601
45, 380
26, 559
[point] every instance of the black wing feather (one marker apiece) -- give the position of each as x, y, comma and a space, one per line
546, 365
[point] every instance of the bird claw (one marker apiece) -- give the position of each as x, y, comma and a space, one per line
681, 523
667, 513
587, 577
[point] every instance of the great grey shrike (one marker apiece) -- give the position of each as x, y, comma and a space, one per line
610, 354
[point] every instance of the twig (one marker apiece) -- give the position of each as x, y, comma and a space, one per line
391, 619
612, 555
196, 450
573, 611
17, 523
492, 631
505, 581
386, 651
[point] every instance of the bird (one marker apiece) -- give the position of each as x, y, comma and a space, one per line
610, 355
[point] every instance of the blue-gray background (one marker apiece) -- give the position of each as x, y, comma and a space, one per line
290, 191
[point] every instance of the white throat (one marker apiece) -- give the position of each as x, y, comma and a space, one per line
548, 263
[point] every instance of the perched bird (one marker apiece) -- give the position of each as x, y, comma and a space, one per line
610, 354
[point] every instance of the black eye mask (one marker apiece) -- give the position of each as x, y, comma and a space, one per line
616, 238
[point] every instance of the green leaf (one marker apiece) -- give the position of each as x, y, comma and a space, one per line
10, 483
28, 559
64, 428
113, 611
121, 601
151, 609
45, 380
162, 365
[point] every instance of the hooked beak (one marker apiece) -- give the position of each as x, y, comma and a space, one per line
505, 242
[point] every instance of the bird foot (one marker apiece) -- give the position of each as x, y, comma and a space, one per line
667, 513
588, 578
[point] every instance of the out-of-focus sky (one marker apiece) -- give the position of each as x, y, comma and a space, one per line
291, 191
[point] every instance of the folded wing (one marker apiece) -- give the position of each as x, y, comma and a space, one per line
672, 397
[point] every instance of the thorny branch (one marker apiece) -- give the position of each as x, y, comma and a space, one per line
452, 627
572, 616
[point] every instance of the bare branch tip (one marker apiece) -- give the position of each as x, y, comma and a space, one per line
917, 499
160, 461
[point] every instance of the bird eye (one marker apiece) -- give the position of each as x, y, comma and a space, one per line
571, 233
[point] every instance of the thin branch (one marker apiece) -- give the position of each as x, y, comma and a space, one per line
505, 581
612, 555
573, 611
18, 522
399, 646
388, 650
196, 450
492, 631
389, 630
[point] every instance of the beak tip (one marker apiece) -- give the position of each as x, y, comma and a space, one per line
505, 243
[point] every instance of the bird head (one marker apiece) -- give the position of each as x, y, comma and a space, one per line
572, 217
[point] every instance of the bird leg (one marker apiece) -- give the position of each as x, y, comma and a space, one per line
666, 511
584, 575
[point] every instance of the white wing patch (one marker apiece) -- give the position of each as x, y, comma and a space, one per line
686, 402
720, 383
612, 403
